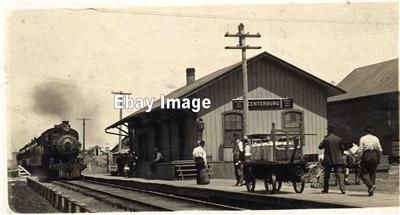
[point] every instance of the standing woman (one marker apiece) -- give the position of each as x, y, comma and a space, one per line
200, 159
371, 150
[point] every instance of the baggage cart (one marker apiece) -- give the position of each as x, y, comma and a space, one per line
276, 158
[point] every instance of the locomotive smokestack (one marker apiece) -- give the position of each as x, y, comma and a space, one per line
65, 122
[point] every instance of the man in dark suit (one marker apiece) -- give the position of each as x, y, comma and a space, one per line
333, 158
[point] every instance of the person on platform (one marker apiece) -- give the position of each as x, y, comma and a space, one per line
132, 163
158, 157
200, 160
247, 150
333, 159
120, 165
238, 157
371, 150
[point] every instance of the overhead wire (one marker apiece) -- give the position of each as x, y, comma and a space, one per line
213, 16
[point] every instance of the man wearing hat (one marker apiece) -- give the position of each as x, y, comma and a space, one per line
333, 158
371, 150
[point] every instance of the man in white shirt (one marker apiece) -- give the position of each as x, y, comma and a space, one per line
371, 150
200, 159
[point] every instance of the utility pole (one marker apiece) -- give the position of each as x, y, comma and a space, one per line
83, 136
242, 45
108, 157
120, 117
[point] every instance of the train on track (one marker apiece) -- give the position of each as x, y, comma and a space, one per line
54, 154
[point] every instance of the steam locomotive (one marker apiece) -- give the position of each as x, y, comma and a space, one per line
54, 154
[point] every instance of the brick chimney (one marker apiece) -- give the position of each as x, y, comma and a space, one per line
190, 76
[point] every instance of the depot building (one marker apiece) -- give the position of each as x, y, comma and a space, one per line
278, 93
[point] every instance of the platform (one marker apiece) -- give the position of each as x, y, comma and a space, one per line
284, 199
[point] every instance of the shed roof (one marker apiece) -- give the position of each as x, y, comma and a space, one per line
125, 145
215, 76
370, 80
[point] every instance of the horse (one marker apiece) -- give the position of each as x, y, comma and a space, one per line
352, 160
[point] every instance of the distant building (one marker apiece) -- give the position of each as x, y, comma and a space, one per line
124, 147
279, 93
372, 98
115, 152
96, 151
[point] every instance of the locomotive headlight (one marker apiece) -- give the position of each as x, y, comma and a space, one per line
66, 128
67, 144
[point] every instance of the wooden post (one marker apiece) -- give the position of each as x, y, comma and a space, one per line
73, 205
120, 117
108, 159
66, 204
242, 45
59, 201
52, 198
48, 194
82, 208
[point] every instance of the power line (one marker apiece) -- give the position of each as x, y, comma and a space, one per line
210, 16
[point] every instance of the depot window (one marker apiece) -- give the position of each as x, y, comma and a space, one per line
292, 119
233, 123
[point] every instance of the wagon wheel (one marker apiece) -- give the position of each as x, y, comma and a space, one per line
250, 180
299, 179
316, 176
270, 184
279, 186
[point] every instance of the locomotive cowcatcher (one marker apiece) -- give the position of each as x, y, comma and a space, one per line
54, 154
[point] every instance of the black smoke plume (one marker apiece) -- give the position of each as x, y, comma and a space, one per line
65, 101
56, 99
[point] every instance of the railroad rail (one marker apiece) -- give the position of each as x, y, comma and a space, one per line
134, 199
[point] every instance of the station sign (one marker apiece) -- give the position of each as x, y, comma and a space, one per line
264, 104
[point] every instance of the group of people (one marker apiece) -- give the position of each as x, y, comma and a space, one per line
241, 152
370, 149
334, 159
131, 161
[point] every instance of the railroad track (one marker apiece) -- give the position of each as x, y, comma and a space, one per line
133, 199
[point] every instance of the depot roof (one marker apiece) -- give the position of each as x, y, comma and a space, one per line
215, 76
370, 80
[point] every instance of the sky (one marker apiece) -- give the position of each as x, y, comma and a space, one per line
63, 64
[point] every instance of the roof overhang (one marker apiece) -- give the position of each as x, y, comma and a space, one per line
349, 96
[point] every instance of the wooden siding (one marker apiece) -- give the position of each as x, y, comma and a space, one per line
266, 80
351, 116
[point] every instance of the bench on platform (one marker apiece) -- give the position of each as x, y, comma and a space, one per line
187, 169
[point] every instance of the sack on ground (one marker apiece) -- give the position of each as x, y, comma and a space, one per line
204, 178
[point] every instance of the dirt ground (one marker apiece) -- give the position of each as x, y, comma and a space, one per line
22, 199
